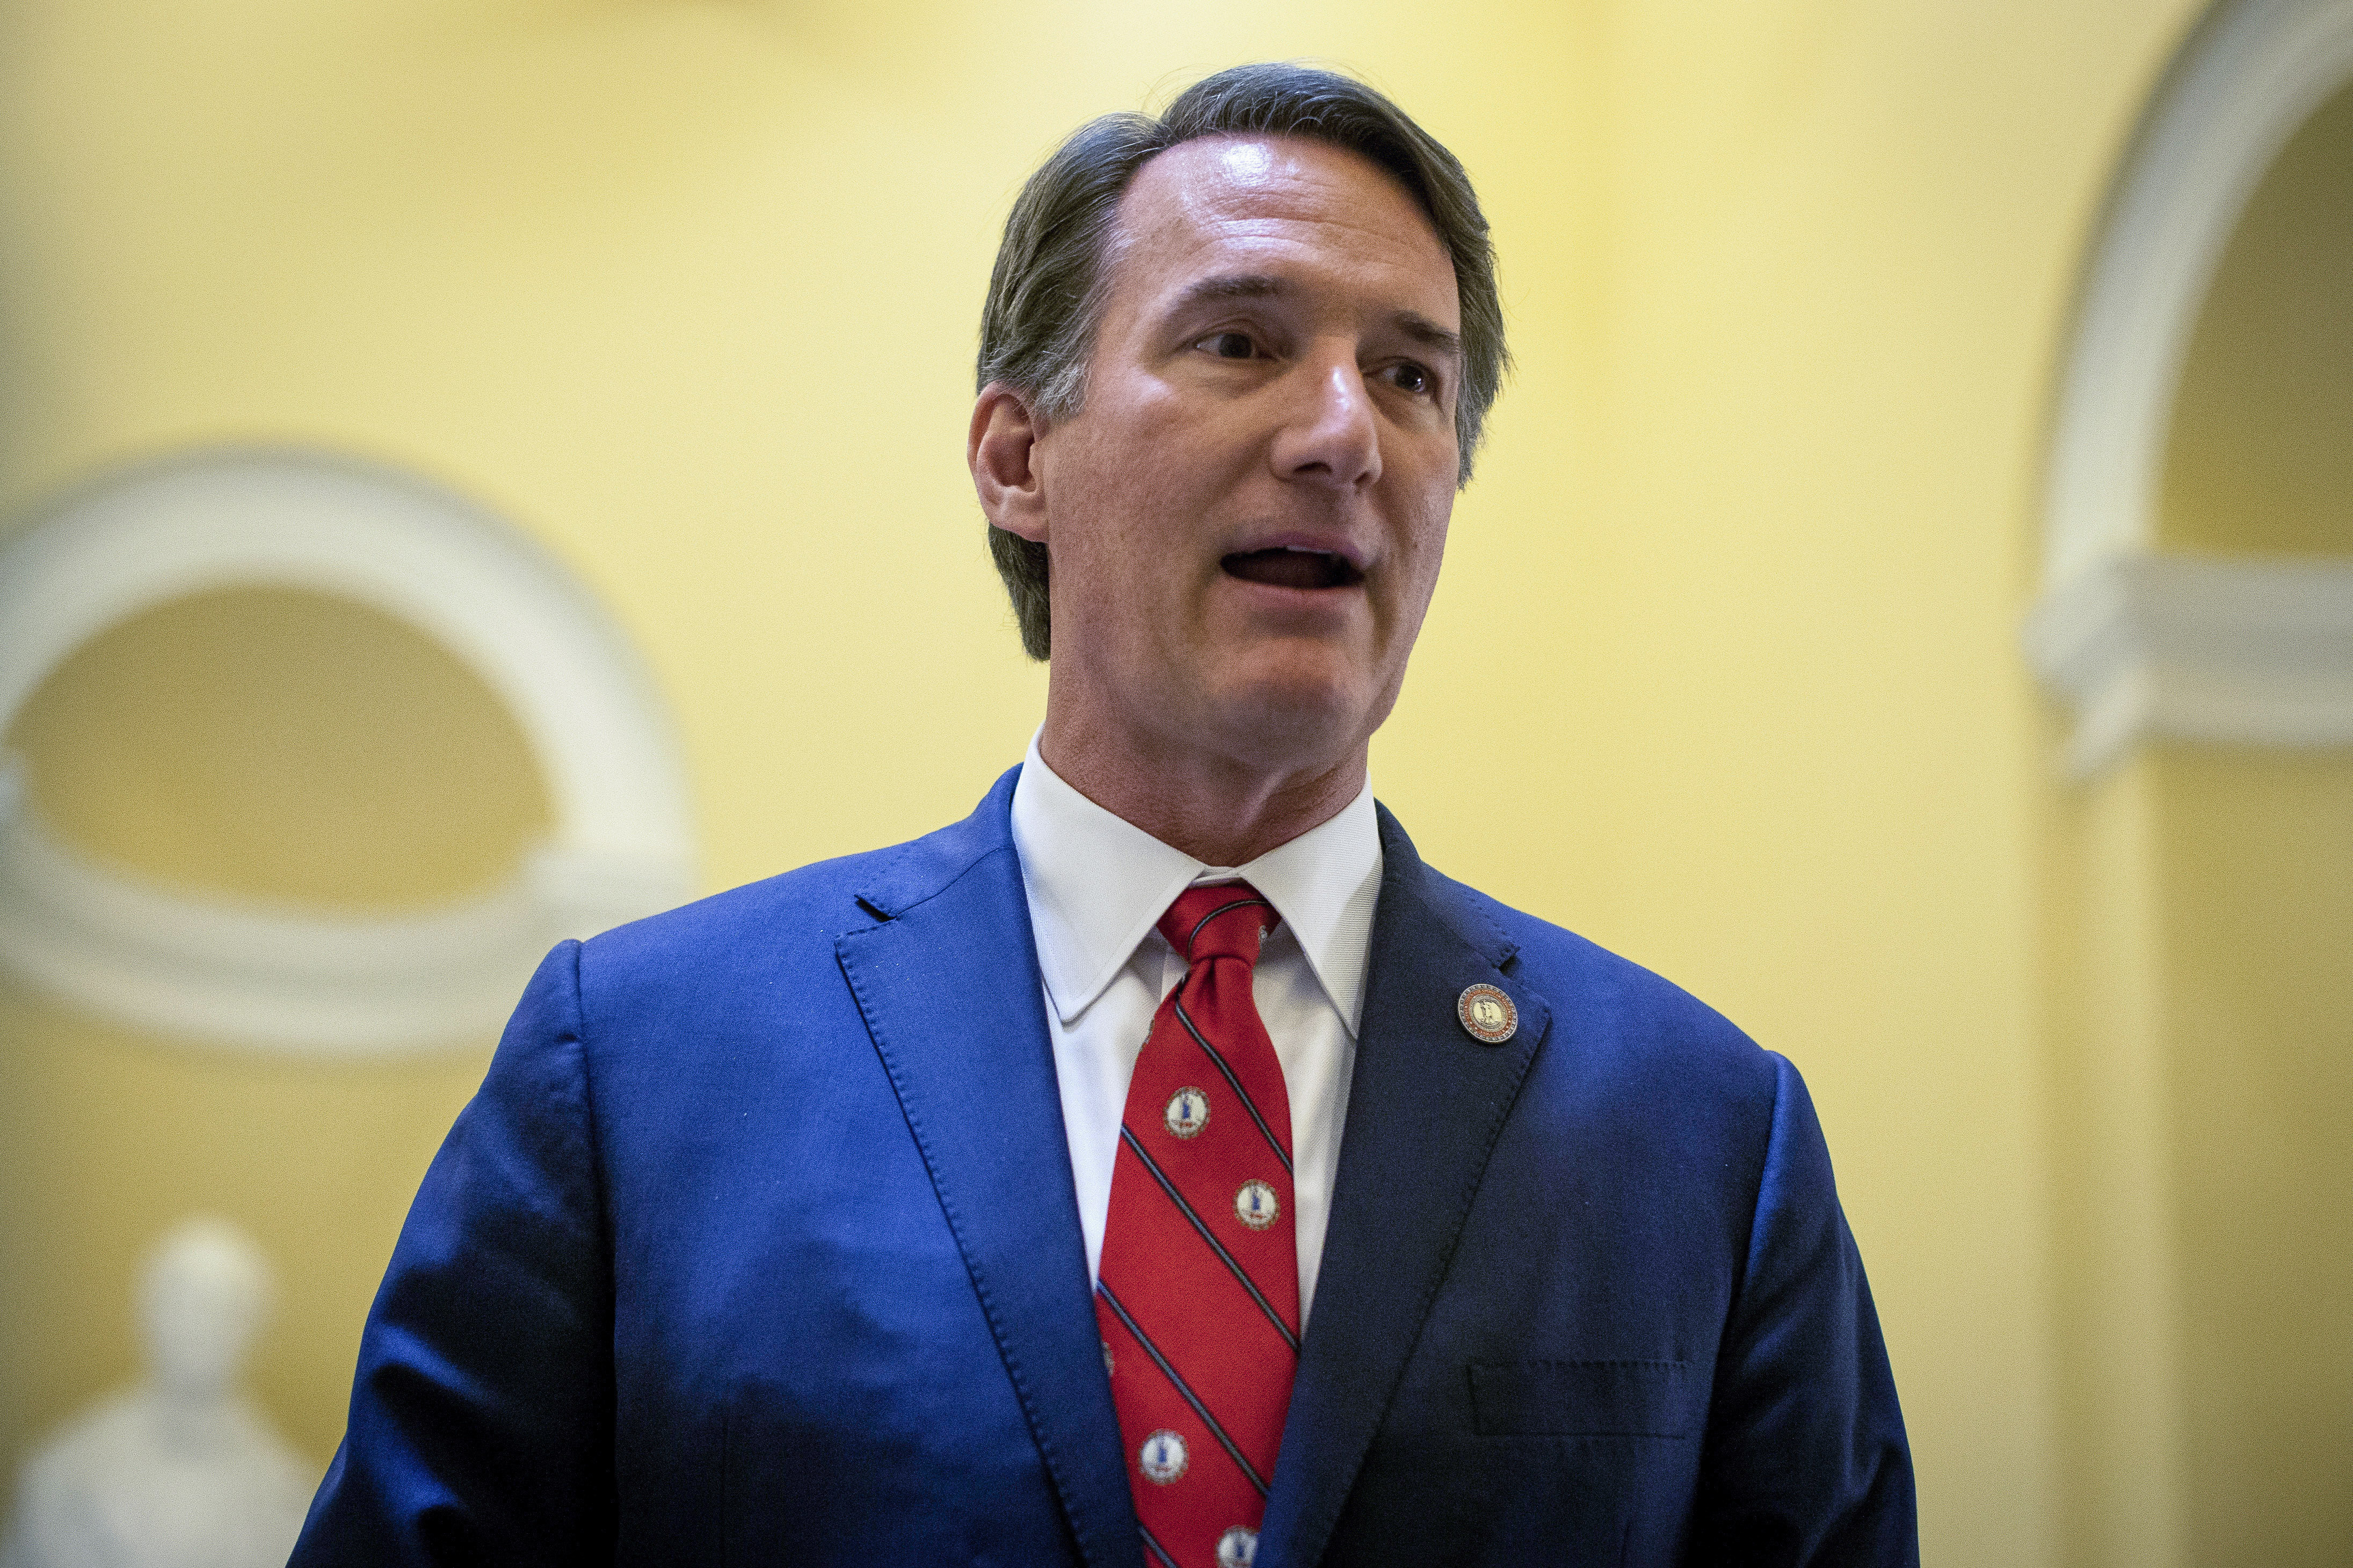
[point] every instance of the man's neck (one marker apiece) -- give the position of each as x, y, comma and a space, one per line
1220, 811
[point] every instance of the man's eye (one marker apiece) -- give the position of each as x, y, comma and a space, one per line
1229, 345
1413, 378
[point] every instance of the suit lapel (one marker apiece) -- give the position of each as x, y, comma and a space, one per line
947, 980
1425, 1107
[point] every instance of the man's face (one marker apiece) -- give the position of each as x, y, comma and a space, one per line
1248, 513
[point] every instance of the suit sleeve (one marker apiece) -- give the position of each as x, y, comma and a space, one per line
482, 1416
1805, 1460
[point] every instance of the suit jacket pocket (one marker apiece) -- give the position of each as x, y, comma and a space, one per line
1586, 1399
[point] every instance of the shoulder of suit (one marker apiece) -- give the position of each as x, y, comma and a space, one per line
1612, 999
810, 907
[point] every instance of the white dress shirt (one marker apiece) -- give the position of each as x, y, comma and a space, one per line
1098, 885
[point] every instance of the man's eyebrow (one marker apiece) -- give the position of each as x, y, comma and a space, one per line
1232, 286
1424, 330
1260, 285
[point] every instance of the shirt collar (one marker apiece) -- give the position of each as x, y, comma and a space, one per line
1097, 884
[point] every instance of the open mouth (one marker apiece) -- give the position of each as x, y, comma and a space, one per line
1287, 568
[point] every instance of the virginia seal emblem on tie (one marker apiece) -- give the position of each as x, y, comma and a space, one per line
1187, 1112
1163, 1457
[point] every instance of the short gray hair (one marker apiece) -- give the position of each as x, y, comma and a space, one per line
1047, 292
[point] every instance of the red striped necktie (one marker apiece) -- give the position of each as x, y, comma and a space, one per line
1197, 1294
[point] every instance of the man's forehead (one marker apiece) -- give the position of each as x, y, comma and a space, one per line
1274, 195
1258, 166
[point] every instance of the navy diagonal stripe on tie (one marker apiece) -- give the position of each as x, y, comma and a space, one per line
1221, 909
1248, 1104
1207, 1235
1158, 1550
1199, 1409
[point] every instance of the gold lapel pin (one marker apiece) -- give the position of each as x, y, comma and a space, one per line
1488, 1016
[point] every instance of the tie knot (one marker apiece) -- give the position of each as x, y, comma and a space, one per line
1226, 920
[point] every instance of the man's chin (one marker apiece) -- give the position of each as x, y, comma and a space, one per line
1295, 723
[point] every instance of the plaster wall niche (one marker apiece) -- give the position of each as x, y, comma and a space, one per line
2195, 627
302, 964
181, 1469
2216, 621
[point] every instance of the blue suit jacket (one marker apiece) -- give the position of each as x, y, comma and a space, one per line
759, 1245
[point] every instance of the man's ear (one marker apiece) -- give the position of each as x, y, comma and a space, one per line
1002, 449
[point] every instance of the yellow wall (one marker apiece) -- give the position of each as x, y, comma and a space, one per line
1723, 672
2200, 1027
2114, 1290
2258, 855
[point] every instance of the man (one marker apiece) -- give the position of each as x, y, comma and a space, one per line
1162, 1164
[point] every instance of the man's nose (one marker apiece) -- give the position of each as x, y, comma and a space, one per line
1331, 432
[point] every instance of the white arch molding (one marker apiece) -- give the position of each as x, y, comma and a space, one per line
621, 844
2141, 644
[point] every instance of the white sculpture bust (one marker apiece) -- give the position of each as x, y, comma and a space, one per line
180, 1471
